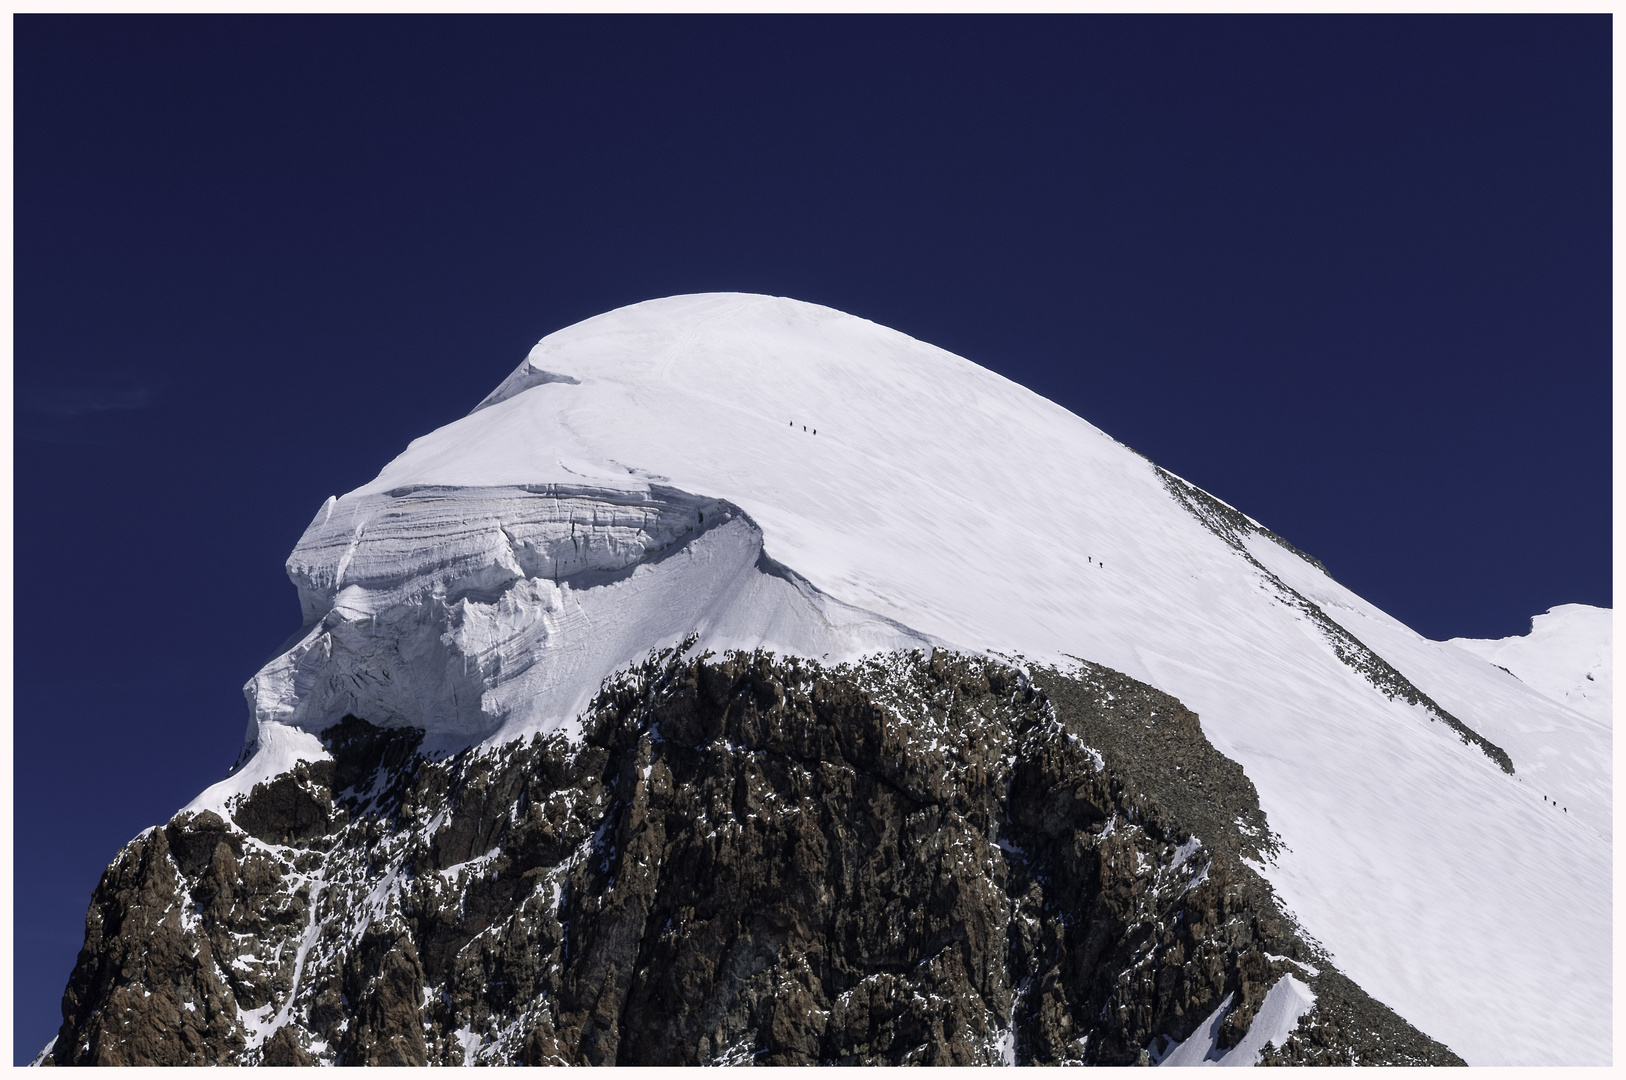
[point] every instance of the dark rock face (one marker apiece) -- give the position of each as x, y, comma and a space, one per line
146, 988
934, 860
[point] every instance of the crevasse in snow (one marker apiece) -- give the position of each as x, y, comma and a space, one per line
862, 490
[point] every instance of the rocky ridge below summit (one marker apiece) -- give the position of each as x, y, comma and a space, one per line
920, 858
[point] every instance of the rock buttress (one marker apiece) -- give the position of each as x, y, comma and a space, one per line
930, 859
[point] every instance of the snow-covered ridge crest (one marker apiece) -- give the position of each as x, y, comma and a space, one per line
468, 611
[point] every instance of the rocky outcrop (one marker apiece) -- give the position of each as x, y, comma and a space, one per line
930, 859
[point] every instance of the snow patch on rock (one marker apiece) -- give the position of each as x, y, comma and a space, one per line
1285, 1002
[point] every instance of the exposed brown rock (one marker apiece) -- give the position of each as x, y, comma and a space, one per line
921, 859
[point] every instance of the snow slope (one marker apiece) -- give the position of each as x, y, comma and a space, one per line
863, 490
1568, 655
1563, 754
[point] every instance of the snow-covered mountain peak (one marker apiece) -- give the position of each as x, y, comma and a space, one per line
758, 472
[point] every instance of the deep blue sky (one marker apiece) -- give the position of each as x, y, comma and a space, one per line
1350, 274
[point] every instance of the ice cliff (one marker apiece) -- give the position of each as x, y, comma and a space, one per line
473, 611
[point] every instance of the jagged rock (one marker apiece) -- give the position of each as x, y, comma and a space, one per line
931, 859
296, 806
146, 989
283, 1048
383, 981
